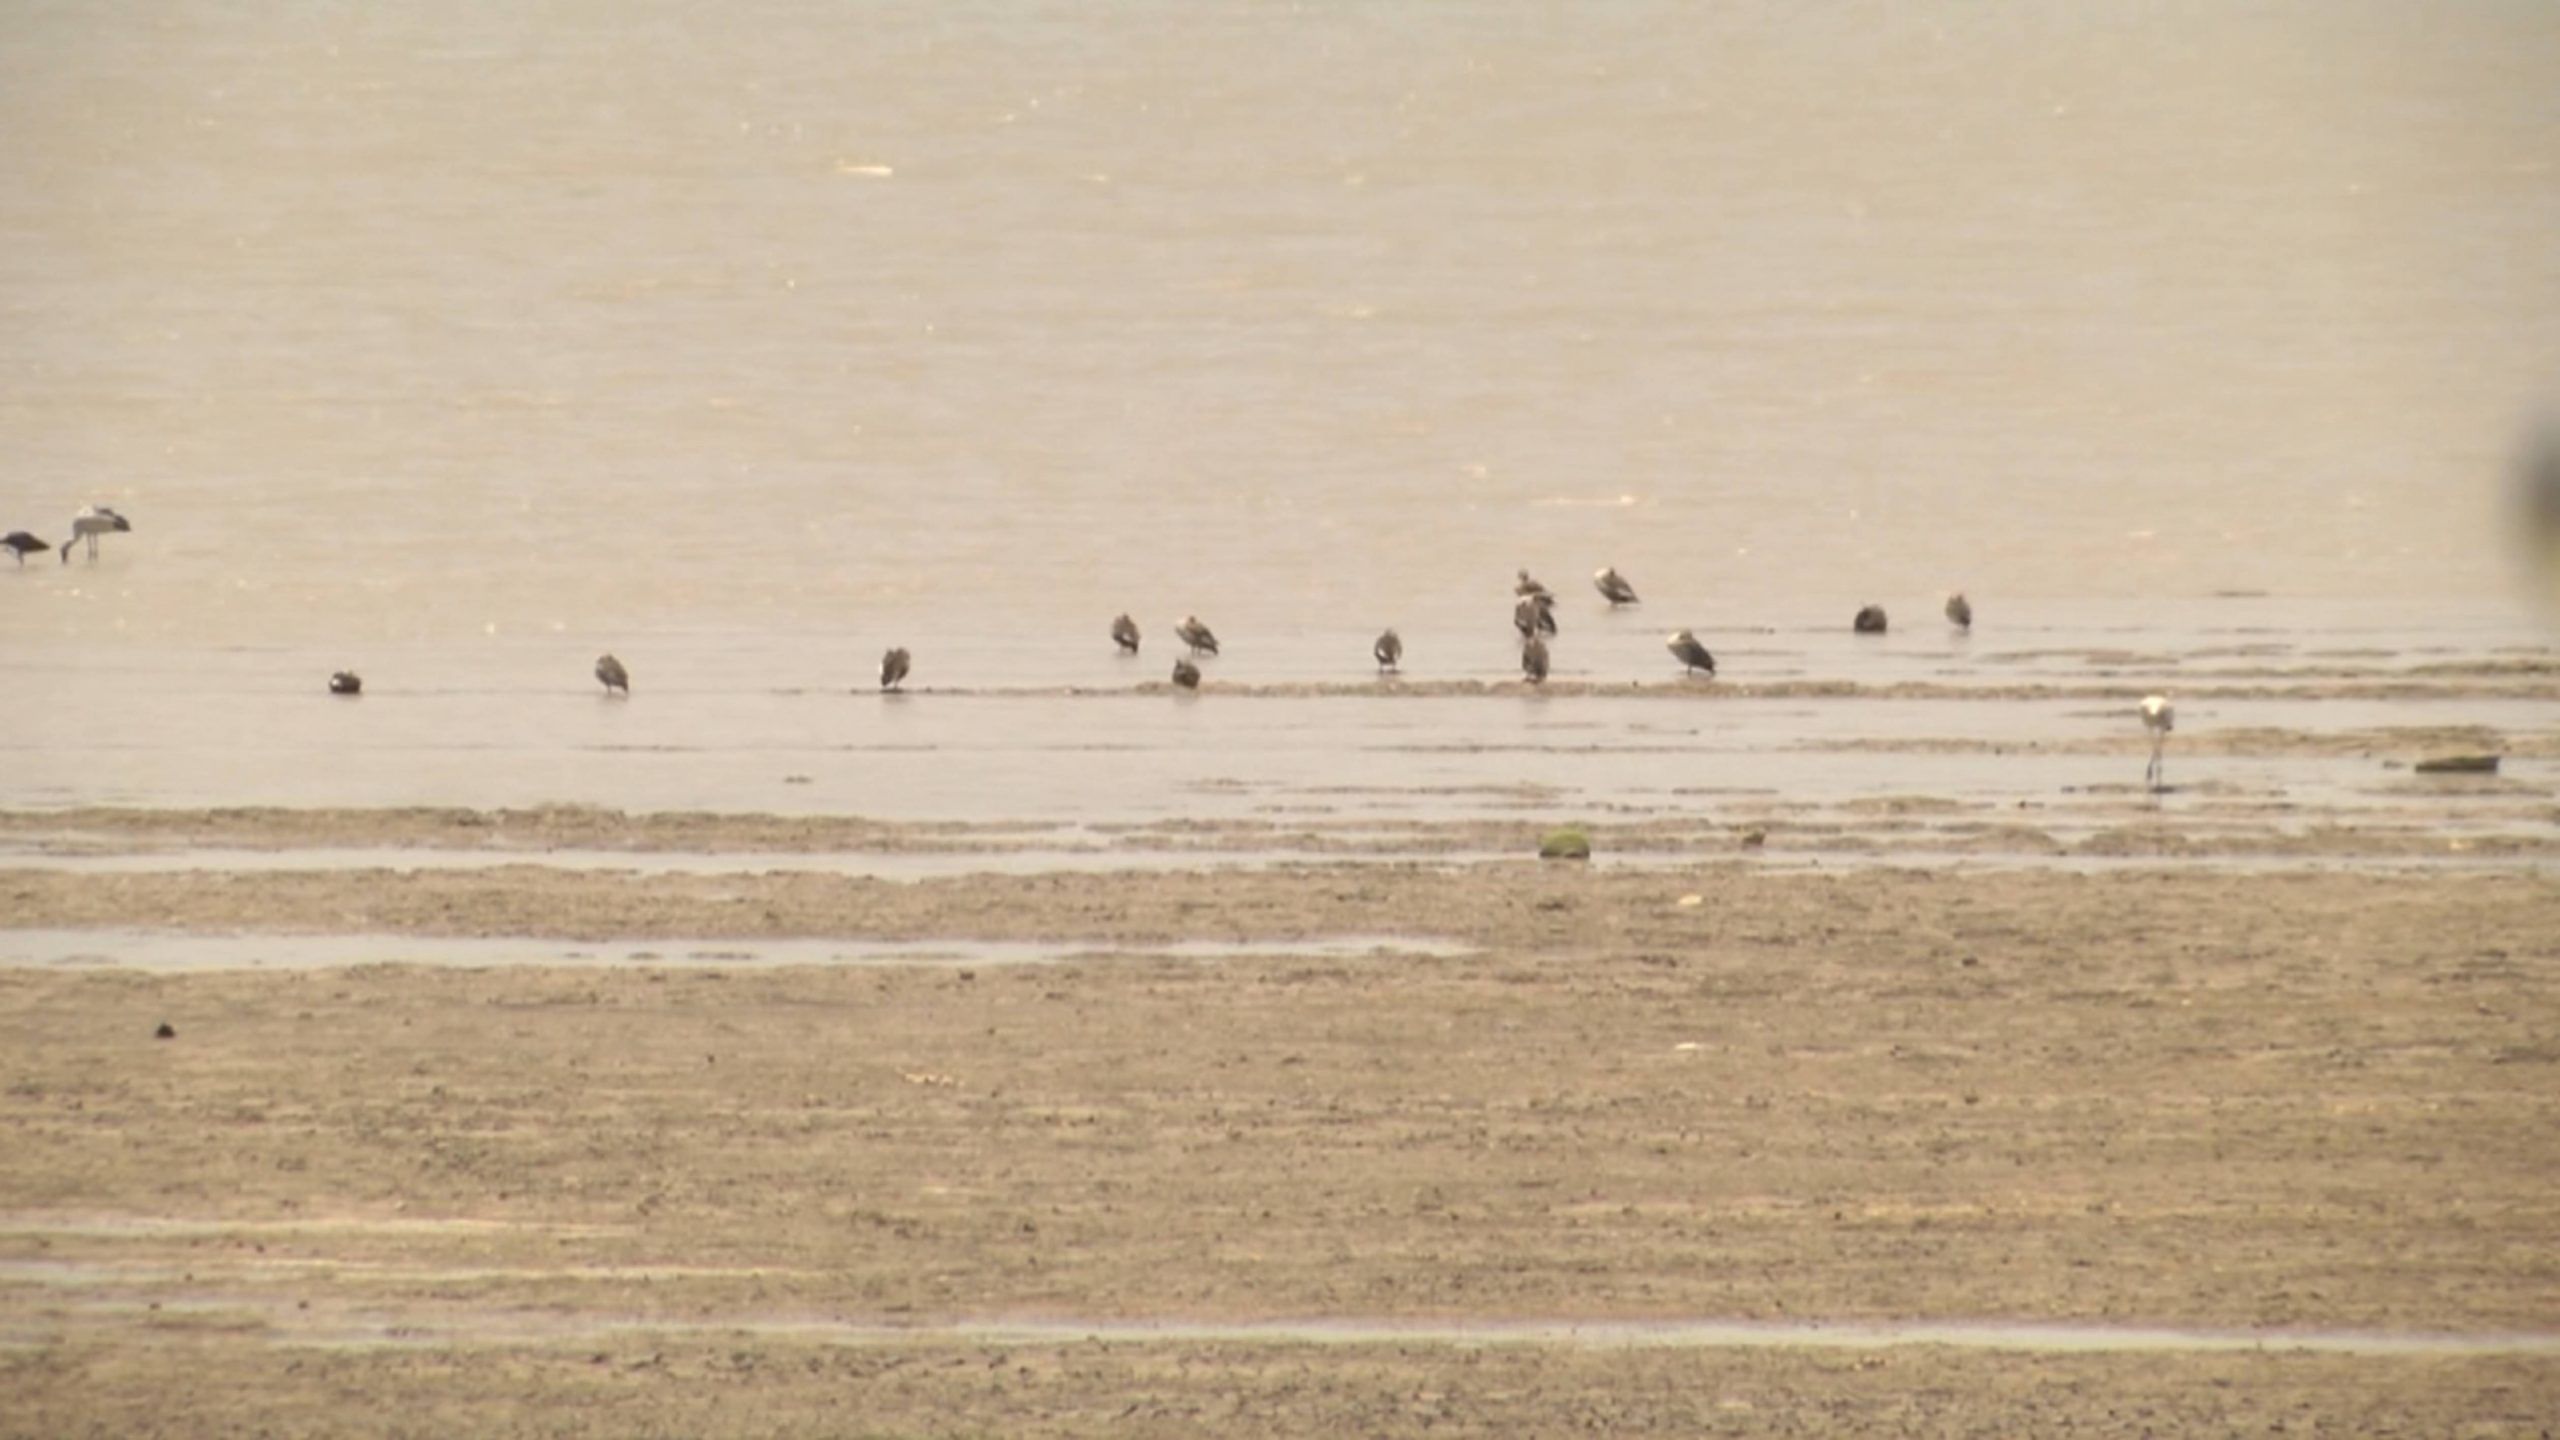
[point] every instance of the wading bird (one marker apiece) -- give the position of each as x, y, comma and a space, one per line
1535, 614
610, 671
1959, 611
1686, 649
1614, 587
1186, 674
346, 682
1870, 620
1196, 635
92, 522
1124, 633
22, 545
2159, 717
1389, 650
1533, 660
893, 667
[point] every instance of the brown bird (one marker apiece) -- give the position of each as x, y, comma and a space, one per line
1533, 660
346, 682
1960, 611
610, 671
1124, 633
893, 668
1614, 587
1686, 649
1389, 650
1186, 674
1870, 620
1528, 585
22, 545
1535, 614
1196, 635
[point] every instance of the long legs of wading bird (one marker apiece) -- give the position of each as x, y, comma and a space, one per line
1528, 585
1196, 635
2159, 717
1124, 633
92, 522
22, 545
1534, 614
1533, 660
893, 668
1959, 611
1186, 674
1614, 588
1389, 650
1692, 655
1870, 620
610, 671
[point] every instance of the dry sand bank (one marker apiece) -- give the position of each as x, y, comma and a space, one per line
2303, 1099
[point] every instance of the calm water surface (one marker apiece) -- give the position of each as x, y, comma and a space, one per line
457, 345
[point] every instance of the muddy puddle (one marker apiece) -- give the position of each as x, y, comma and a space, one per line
319, 1313
186, 952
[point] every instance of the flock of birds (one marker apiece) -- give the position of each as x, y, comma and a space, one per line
1533, 615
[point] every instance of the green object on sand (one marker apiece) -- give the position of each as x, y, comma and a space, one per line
1565, 844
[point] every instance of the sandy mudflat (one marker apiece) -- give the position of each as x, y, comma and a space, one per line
687, 1198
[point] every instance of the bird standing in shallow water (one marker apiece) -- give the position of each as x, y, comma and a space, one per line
1614, 587
2159, 717
1389, 650
23, 545
610, 671
1186, 674
1533, 660
1528, 585
1686, 649
92, 522
346, 682
893, 668
1959, 611
1124, 633
1535, 614
1196, 635
1870, 620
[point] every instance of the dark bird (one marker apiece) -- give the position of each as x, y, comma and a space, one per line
1528, 585
1389, 650
1196, 635
1124, 633
346, 682
1614, 587
1533, 660
1186, 674
1870, 620
2537, 489
893, 667
1534, 614
22, 545
610, 671
1960, 611
92, 522
1686, 649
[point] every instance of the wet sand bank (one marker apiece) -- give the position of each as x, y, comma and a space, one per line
2300, 1101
